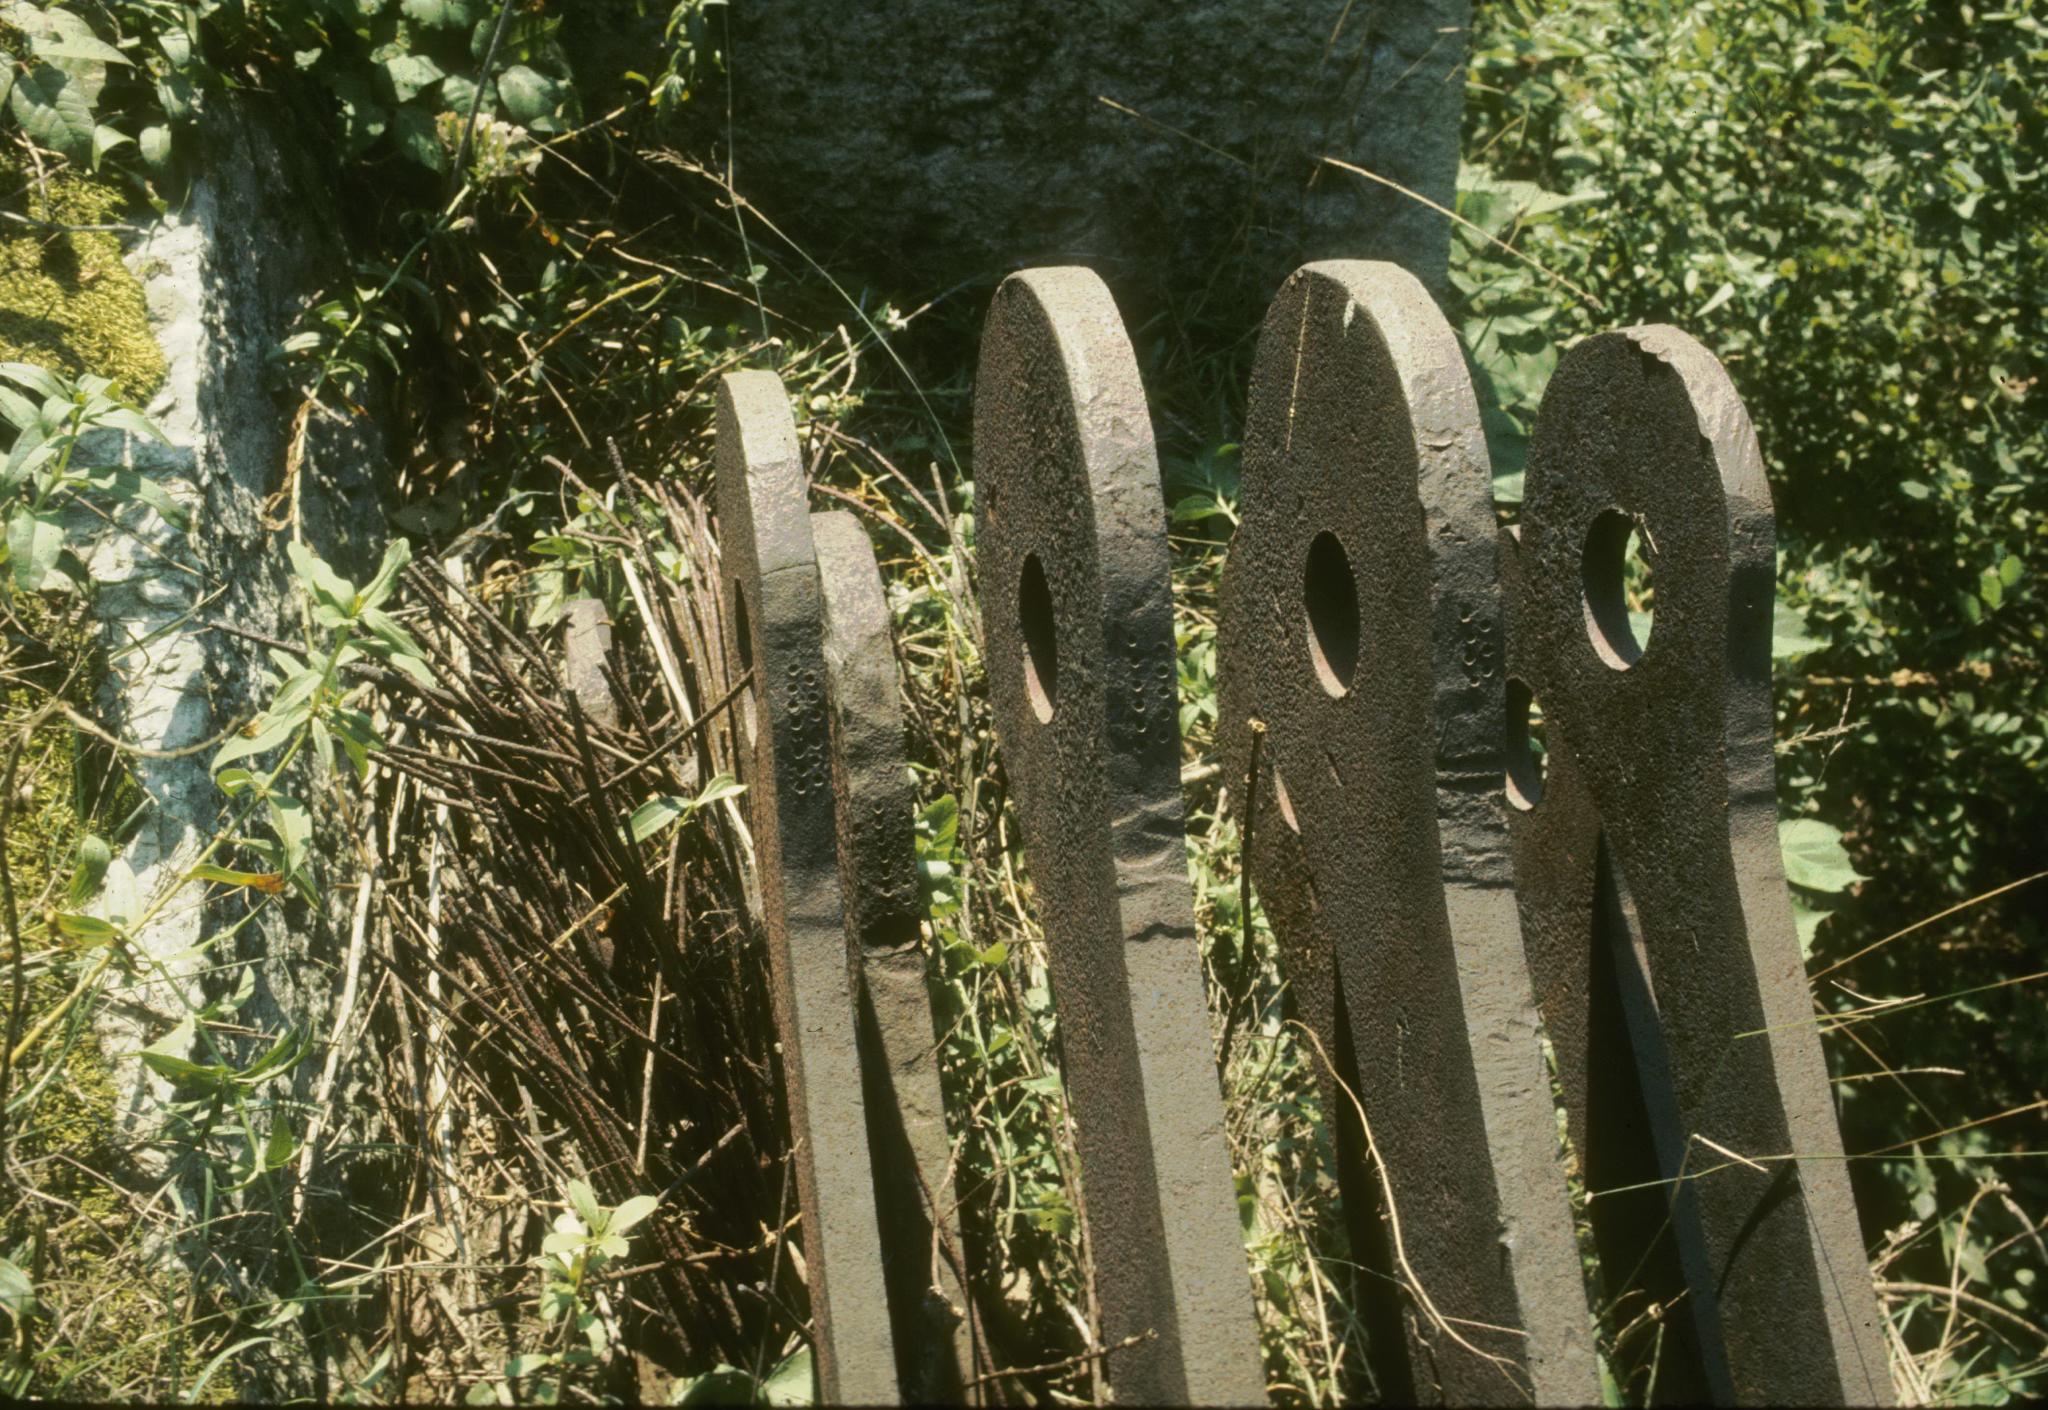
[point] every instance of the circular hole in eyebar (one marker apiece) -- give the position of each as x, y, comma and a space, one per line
1617, 588
1329, 591
1525, 750
1041, 640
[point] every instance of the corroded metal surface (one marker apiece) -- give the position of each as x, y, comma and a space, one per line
1362, 626
1585, 956
774, 616
877, 809
1078, 610
1642, 430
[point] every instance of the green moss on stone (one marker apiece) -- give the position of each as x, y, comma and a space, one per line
66, 300
105, 1308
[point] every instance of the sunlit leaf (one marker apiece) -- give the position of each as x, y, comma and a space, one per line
1814, 856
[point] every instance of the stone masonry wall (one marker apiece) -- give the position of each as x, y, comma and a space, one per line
1174, 145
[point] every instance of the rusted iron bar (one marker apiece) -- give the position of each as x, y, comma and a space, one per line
1078, 611
1641, 433
1585, 956
774, 614
876, 804
1362, 626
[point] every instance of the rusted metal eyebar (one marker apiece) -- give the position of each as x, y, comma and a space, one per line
774, 621
1361, 627
1585, 956
1666, 873
877, 809
1078, 610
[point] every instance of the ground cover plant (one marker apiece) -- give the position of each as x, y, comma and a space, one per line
555, 1168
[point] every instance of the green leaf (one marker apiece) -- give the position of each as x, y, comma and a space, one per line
1789, 637
279, 1146
583, 1200
655, 814
721, 1385
294, 828
104, 140
632, 1212
357, 732
20, 412
440, 14
90, 929
1814, 856
322, 581
132, 485
397, 554
417, 136
166, 1057
31, 449
458, 94
52, 107
179, 1040
33, 543
530, 98
39, 380
565, 1240
323, 745
791, 1383
941, 821
391, 635
721, 787
550, 598
176, 45
228, 876
1806, 919
79, 44
283, 1054
294, 693
132, 422
665, 808
177, 95
410, 75
17, 1292
94, 857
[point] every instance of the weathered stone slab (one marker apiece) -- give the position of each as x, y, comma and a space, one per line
1173, 145
877, 810
1642, 430
1362, 627
774, 621
1585, 956
586, 644
1078, 609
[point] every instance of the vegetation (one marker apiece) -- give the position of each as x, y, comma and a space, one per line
554, 1168
1845, 202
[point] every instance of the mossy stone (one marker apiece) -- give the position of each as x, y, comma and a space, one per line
67, 301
